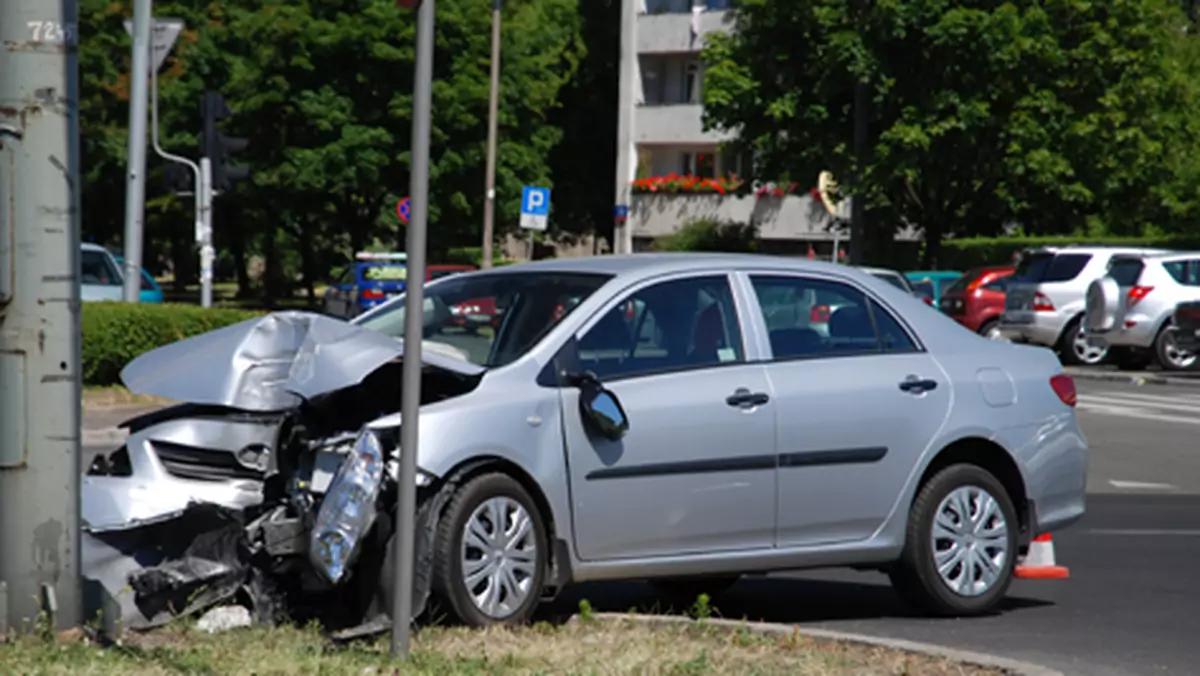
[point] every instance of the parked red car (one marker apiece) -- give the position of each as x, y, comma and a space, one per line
976, 300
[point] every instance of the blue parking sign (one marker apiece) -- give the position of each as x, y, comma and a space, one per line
535, 207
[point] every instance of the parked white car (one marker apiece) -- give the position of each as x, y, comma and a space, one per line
1046, 298
100, 276
1132, 307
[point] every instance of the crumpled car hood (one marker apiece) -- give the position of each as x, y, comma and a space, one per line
272, 363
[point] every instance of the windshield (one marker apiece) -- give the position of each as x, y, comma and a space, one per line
491, 319
97, 268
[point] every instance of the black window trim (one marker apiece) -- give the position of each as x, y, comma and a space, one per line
918, 345
623, 296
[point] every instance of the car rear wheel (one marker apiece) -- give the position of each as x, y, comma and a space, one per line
1076, 349
961, 544
490, 553
991, 330
1170, 356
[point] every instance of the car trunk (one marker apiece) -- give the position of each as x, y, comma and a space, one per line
1023, 287
954, 298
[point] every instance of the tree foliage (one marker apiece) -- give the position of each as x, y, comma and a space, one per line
1059, 115
323, 90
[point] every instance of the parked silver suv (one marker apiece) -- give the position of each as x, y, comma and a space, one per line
1046, 298
1132, 307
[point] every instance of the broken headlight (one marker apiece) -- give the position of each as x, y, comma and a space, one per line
348, 510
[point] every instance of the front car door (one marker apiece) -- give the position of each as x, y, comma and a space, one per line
695, 473
857, 400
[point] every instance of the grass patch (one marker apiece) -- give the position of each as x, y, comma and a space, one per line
616, 647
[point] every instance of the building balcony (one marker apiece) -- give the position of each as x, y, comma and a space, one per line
678, 124
671, 33
787, 218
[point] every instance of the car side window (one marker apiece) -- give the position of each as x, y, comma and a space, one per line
814, 318
1185, 272
675, 325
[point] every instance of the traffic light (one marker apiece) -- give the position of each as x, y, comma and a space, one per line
218, 147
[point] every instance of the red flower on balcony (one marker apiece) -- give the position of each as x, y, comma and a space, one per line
673, 184
776, 189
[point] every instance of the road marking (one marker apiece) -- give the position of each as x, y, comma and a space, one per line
1155, 408
1141, 486
1135, 532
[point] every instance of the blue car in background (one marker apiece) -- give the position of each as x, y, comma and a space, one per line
151, 292
371, 280
932, 284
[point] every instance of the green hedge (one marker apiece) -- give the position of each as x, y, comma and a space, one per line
115, 333
962, 254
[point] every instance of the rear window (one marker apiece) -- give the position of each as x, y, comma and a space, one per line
1049, 267
1126, 271
1184, 272
960, 285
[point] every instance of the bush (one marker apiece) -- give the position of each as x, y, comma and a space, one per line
707, 234
963, 254
115, 333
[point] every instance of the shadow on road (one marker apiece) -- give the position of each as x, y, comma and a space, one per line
769, 599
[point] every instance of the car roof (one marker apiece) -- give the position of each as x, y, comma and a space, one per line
89, 246
1167, 256
1114, 250
877, 271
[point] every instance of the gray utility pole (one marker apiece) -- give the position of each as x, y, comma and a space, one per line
414, 327
204, 200
626, 160
135, 184
489, 208
858, 229
39, 315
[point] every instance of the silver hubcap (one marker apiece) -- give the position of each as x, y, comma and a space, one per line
499, 557
1181, 359
1086, 351
970, 541
994, 334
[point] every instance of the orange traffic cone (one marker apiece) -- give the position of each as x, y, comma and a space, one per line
1039, 564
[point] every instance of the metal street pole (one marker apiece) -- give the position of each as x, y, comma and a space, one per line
414, 327
135, 184
626, 162
40, 415
203, 192
858, 228
489, 207
204, 200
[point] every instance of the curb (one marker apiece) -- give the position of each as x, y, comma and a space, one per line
1132, 379
103, 437
1015, 667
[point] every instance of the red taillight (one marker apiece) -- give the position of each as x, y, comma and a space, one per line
372, 294
819, 314
1064, 387
1137, 293
1041, 303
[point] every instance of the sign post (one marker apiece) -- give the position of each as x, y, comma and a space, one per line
535, 211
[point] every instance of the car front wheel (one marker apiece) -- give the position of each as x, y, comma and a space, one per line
961, 544
490, 553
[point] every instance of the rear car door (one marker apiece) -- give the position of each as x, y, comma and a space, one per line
695, 473
859, 400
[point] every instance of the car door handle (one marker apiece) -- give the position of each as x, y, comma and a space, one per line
744, 398
917, 385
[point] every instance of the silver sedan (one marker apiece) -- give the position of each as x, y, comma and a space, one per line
680, 418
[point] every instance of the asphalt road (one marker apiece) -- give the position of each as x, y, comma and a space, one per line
1130, 606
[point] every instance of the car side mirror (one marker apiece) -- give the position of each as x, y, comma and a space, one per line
601, 409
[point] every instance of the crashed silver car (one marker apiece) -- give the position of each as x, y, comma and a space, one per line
782, 414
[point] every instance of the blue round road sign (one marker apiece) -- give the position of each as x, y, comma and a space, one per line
402, 209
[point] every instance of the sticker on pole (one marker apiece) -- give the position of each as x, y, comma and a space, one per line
535, 207
404, 210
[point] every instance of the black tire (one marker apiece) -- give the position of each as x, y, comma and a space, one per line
449, 589
1161, 345
683, 591
1131, 358
1066, 347
987, 326
915, 575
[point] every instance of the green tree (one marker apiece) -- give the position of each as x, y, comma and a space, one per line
1060, 115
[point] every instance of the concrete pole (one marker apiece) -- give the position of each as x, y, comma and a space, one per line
489, 208
414, 326
39, 315
858, 226
135, 184
622, 231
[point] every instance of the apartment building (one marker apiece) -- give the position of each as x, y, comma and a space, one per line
669, 136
